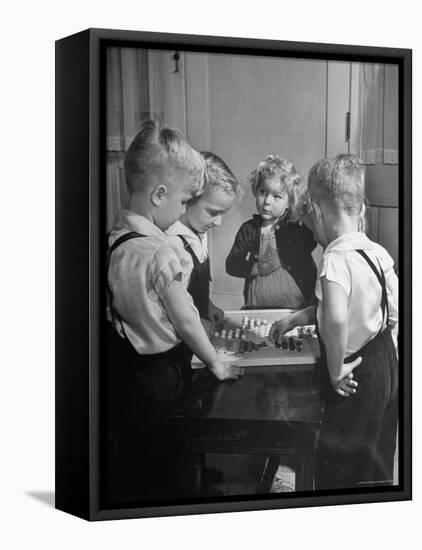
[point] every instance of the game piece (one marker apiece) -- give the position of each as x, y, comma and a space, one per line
252, 336
243, 344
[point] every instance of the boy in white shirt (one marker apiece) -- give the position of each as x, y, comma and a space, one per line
154, 326
357, 292
203, 213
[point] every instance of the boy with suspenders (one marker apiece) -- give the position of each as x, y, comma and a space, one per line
153, 324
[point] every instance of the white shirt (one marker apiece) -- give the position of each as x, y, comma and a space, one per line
139, 274
197, 241
346, 267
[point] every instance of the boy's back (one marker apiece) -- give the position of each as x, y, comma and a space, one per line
342, 264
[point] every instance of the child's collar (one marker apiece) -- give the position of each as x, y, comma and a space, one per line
350, 241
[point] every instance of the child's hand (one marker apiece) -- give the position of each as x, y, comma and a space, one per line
267, 263
278, 329
215, 315
346, 386
226, 372
265, 268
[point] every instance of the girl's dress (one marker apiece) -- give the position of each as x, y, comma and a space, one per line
277, 288
289, 247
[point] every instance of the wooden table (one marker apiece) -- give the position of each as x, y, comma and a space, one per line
271, 411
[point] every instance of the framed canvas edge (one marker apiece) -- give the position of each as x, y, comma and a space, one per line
256, 45
89, 274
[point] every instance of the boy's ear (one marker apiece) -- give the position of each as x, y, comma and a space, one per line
316, 211
157, 194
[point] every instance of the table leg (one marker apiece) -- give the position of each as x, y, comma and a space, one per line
305, 467
190, 473
269, 473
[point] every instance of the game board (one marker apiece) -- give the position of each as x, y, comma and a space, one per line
243, 340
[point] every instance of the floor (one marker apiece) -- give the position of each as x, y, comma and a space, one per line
241, 474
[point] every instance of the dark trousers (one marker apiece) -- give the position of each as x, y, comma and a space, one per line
141, 456
358, 433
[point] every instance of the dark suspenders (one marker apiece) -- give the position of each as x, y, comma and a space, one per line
381, 279
195, 259
188, 247
123, 239
126, 237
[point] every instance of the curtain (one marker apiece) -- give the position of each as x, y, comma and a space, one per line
379, 114
128, 104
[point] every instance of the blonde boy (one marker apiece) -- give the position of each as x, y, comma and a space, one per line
154, 325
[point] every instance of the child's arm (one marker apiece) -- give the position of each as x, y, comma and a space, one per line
305, 316
237, 264
334, 331
345, 386
215, 314
190, 330
208, 327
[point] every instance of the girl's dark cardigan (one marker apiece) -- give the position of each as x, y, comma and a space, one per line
295, 243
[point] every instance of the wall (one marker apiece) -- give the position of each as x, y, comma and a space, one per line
382, 188
243, 108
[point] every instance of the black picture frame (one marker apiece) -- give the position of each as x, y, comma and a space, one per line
80, 253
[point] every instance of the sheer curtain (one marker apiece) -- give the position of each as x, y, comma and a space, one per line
128, 104
379, 114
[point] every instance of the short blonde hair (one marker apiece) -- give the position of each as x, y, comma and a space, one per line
276, 167
154, 150
340, 181
218, 175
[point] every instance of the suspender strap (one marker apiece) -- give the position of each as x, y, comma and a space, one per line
118, 242
188, 247
381, 279
195, 259
123, 239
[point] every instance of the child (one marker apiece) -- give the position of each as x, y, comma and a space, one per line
271, 251
357, 306
154, 325
204, 212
